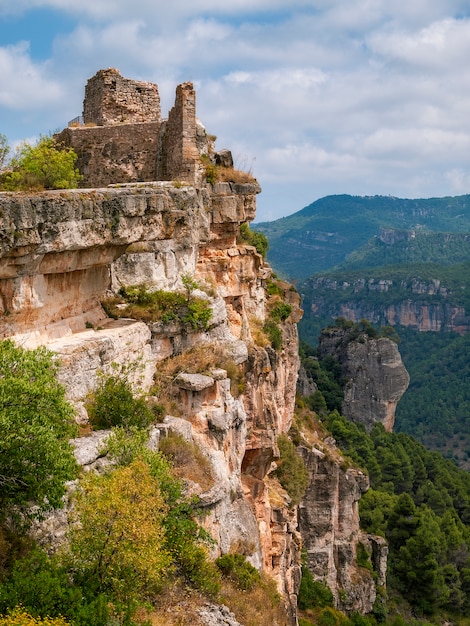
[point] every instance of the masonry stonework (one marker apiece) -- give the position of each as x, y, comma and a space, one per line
123, 138
112, 99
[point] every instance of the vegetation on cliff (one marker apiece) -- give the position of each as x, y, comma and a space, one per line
134, 547
45, 165
419, 501
36, 422
185, 308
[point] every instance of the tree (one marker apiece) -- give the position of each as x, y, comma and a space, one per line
118, 544
4, 150
47, 165
36, 422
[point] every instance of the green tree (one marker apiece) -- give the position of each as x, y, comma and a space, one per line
36, 422
46, 165
118, 547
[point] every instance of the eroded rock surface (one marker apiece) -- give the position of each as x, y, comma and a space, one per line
375, 375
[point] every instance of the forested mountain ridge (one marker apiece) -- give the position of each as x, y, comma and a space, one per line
324, 233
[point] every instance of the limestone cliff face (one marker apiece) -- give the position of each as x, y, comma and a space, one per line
375, 376
62, 252
424, 305
329, 525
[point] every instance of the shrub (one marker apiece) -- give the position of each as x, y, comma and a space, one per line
253, 238
20, 617
113, 404
313, 593
119, 545
281, 312
235, 566
274, 334
138, 302
47, 165
185, 540
291, 471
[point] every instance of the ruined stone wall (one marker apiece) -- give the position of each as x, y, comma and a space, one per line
112, 99
179, 156
125, 140
114, 154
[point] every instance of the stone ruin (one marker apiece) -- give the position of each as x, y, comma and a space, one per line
122, 137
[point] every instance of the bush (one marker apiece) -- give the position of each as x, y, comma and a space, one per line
253, 238
185, 540
235, 567
313, 593
281, 312
118, 547
20, 617
291, 471
113, 404
47, 165
274, 334
138, 302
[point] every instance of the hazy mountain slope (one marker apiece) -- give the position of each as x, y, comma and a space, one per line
325, 232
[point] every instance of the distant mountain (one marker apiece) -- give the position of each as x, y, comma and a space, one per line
324, 233
401, 263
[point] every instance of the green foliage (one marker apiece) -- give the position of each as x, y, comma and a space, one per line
309, 238
436, 406
326, 374
139, 302
47, 165
420, 503
313, 593
280, 312
112, 403
235, 566
363, 557
274, 334
273, 288
185, 540
118, 546
33, 408
291, 470
41, 586
254, 238
4, 151
210, 169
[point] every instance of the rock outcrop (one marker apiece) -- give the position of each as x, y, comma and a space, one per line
62, 253
374, 373
424, 305
329, 525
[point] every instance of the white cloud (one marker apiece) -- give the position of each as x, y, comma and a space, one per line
330, 96
23, 81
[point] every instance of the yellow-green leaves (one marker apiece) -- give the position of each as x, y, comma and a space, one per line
118, 540
47, 165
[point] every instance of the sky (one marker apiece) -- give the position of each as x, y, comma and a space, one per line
314, 97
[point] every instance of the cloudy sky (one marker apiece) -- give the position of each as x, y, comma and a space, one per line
323, 97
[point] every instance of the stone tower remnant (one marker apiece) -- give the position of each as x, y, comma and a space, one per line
112, 99
124, 139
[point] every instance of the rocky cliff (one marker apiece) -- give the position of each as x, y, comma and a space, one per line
424, 305
373, 373
65, 254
